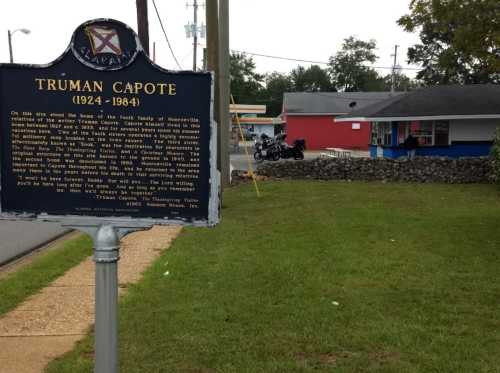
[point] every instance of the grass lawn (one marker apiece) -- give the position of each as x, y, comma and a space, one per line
322, 276
26, 281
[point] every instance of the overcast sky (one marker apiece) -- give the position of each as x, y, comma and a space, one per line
308, 30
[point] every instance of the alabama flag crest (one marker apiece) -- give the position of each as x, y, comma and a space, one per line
103, 40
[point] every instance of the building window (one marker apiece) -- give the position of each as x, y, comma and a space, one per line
403, 132
427, 132
430, 132
441, 132
387, 134
374, 134
381, 133
423, 132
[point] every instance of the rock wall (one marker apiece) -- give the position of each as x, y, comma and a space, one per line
420, 169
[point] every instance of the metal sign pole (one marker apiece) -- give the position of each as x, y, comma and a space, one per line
106, 255
106, 239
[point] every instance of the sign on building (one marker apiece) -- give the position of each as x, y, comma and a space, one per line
102, 132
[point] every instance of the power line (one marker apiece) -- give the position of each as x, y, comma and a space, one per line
186, 56
317, 62
280, 58
166, 37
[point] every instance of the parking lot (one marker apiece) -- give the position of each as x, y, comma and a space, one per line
239, 160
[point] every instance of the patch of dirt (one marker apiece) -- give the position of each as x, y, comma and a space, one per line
185, 367
384, 356
334, 358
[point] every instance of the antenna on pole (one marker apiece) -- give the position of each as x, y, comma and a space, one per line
192, 30
393, 75
195, 33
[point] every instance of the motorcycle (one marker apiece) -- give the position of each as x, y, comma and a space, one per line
266, 149
296, 150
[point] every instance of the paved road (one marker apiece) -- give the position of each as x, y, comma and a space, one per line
17, 237
239, 160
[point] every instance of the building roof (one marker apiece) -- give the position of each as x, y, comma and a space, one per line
247, 109
259, 120
439, 102
333, 103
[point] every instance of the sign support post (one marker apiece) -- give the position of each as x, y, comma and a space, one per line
106, 243
106, 256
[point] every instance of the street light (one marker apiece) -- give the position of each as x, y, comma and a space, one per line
9, 34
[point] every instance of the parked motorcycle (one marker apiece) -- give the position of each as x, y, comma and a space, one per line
266, 149
296, 150
272, 149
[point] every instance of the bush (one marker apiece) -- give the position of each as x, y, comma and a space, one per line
495, 155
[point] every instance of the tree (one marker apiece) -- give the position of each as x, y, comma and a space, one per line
348, 69
312, 79
402, 83
276, 85
246, 83
460, 40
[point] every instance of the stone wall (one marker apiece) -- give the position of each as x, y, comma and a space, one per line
420, 169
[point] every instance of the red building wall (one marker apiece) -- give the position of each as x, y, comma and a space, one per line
322, 132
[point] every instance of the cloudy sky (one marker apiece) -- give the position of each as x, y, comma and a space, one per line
307, 30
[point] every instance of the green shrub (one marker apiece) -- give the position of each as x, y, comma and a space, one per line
495, 155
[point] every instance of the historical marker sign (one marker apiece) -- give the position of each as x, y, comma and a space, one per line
102, 132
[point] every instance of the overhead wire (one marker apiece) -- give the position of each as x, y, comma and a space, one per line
166, 37
267, 55
186, 56
317, 62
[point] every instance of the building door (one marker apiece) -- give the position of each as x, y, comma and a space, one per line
381, 137
384, 135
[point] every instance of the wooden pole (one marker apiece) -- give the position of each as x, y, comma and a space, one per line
142, 24
195, 34
224, 87
212, 57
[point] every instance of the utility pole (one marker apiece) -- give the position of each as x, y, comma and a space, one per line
224, 86
192, 30
195, 33
212, 53
393, 75
205, 58
142, 24
9, 35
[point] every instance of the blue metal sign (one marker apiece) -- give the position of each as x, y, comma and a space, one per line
103, 133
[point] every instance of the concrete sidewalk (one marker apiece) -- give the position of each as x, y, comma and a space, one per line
49, 323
